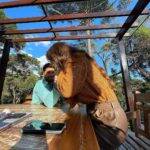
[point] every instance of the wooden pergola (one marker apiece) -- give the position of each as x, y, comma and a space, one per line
132, 15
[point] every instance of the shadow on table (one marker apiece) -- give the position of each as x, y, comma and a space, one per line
29, 142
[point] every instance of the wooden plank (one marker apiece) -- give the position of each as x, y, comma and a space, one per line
20, 3
145, 140
126, 78
138, 141
133, 143
135, 13
142, 101
59, 38
147, 123
128, 146
131, 115
143, 97
63, 29
69, 17
122, 147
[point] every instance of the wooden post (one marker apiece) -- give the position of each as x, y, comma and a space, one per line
126, 78
3, 64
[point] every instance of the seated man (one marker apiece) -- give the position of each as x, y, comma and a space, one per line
44, 91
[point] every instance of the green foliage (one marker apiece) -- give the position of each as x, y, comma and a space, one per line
137, 50
140, 85
139, 55
138, 62
85, 7
2, 14
11, 26
143, 33
119, 90
136, 84
26, 58
20, 78
123, 3
17, 88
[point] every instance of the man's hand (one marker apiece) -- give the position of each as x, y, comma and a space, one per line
55, 79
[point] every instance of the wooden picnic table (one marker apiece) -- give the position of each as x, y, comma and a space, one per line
78, 135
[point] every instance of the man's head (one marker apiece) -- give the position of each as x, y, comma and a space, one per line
48, 72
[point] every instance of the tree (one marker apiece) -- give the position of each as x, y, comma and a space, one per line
138, 53
12, 80
105, 55
138, 56
137, 50
136, 84
22, 73
86, 7
11, 26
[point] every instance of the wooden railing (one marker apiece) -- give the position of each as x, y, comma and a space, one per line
141, 114
142, 105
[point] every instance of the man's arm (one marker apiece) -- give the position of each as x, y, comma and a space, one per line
35, 97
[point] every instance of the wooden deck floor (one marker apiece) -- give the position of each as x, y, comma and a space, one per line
134, 143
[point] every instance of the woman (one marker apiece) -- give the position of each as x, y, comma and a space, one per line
81, 80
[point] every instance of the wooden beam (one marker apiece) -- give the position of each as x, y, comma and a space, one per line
20, 3
135, 13
70, 17
126, 78
63, 29
3, 64
59, 38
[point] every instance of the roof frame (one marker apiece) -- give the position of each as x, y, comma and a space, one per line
137, 10
59, 38
71, 16
64, 29
132, 16
32, 2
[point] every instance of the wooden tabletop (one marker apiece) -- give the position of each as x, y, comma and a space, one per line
78, 135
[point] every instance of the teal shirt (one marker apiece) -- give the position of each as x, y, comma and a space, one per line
44, 93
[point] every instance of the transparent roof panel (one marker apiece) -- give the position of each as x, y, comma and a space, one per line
140, 21
27, 26
72, 8
111, 32
75, 22
7, 0
89, 6
24, 12
38, 35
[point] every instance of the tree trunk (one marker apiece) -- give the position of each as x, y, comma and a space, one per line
14, 95
89, 41
89, 44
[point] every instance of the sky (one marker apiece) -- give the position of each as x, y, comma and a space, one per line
38, 49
